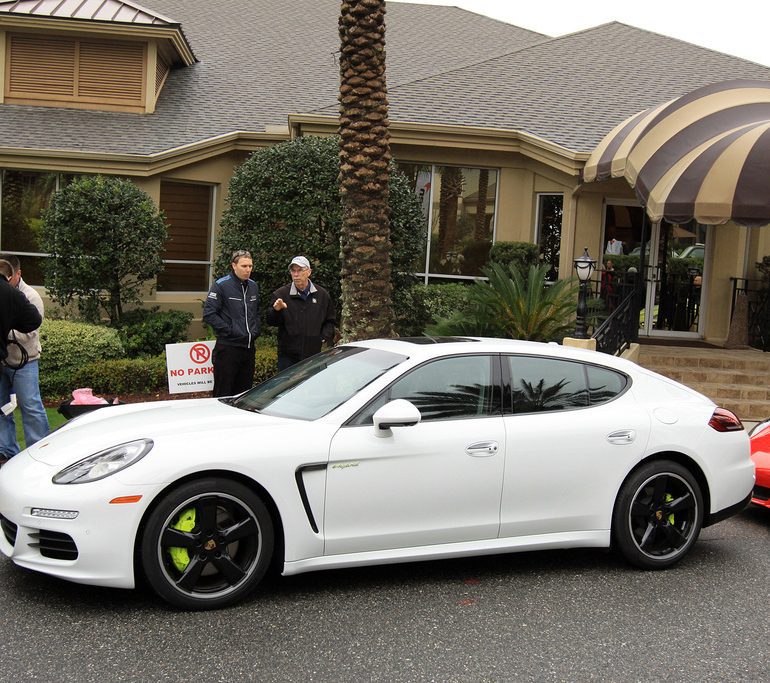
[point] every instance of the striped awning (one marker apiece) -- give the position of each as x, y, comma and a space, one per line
704, 155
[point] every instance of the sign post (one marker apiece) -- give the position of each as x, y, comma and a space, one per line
189, 368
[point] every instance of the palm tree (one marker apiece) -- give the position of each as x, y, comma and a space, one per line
364, 173
510, 306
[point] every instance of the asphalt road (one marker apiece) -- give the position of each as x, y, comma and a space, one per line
546, 616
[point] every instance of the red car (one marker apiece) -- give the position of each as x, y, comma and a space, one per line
760, 454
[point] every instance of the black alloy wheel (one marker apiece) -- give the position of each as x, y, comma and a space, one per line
207, 544
658, 515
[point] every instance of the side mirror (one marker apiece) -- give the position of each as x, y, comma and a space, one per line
398, 413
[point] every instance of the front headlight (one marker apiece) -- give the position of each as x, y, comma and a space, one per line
104, 463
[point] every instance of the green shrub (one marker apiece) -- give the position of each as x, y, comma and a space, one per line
420, 305
511, 306
123, 376
145, 332
67, 347
265, 364
520, 255
104, 237
284, 200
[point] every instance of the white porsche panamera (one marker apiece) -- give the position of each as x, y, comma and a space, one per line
377, 452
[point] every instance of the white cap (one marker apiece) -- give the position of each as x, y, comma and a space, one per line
300, 261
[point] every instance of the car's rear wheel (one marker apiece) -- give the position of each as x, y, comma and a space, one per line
658, 515
207, 544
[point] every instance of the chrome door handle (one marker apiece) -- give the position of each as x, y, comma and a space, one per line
482, 449
622, 436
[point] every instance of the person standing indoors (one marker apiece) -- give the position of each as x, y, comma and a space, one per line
232, 309
303, 313
18, 319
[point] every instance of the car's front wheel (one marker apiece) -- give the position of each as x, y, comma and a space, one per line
658, 515
207, 544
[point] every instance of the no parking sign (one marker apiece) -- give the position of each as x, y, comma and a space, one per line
189, 368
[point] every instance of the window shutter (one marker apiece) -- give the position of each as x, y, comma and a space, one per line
41, 65
111, 70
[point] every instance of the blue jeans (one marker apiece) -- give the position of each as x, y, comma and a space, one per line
25, 383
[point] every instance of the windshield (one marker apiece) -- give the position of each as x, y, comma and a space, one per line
316, 386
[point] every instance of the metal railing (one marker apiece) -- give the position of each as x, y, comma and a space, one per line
621, 327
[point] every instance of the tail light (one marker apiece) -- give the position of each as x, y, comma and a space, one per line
724, 421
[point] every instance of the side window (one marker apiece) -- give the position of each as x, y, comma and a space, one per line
604, 384
545, 384
448, 388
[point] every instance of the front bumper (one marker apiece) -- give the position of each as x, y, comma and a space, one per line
97, 547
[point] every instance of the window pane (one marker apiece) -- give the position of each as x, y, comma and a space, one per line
420, 177
549, 214
463, 218
24, 196
187, 208
448, 388
545, 384
603, 384
181, 277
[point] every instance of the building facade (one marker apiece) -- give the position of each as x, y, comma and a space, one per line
492, 124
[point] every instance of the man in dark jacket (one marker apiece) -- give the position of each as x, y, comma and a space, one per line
304, 315
232, 309
16, 312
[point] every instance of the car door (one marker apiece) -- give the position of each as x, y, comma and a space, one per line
572, 433
435, 482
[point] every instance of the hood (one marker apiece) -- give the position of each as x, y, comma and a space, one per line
115, 425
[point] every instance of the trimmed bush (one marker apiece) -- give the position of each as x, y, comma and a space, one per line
265, 364
145, 332
520, 255
420, 305
123, 376
67, 347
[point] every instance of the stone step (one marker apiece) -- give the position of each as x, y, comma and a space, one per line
690, 376
738, 380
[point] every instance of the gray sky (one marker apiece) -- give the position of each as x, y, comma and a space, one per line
736, 27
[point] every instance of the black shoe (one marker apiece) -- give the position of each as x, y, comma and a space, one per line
3, 460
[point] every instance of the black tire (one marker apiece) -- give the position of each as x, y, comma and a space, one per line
658, 515
207, 544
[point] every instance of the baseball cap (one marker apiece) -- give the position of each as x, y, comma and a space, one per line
300, 261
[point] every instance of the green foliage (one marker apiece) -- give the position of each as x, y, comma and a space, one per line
105, 237
521, 255
265, 364
420, 305
146, 331
67, 346
510, 306
284, 200
123, 376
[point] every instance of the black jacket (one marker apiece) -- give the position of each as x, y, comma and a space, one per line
232, 309
16, 313
305, 324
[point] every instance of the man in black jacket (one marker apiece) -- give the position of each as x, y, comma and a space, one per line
304, 315
16, 312
232, 309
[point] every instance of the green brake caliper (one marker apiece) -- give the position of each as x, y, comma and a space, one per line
668, 499
179, 556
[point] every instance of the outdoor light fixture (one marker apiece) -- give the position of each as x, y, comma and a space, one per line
584, 267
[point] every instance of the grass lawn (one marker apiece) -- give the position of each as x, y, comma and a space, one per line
54, 420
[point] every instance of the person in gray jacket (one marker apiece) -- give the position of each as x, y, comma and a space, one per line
232, 309
20, 375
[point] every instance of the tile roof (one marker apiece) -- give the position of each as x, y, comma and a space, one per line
570, 90
259, 62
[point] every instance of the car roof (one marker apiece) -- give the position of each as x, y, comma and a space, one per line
431, 347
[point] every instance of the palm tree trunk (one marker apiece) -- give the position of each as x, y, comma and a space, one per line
364, 172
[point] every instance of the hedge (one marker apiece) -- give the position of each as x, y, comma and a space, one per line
421, 305
69, 346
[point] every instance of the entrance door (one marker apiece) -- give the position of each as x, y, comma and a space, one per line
664, 261
674, 279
